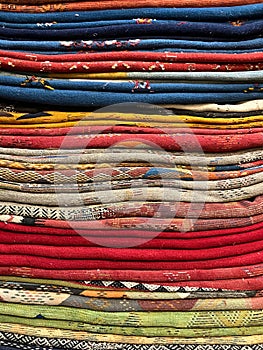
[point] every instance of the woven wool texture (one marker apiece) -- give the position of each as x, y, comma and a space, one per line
131, 175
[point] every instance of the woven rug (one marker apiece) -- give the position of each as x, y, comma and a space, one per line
139, 225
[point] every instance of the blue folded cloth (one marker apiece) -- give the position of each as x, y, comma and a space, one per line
99, 99
137, 44
175, 29
16, 80
213, 14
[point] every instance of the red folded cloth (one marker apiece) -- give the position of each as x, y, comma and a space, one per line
43, 130
175, 142
202, 57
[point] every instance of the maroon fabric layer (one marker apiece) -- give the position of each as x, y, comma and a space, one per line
84, 130
127, 239
176, 142
132, 254
68, 231
12, 64
154, 276
158, 225
253, 283
17, 260
207, 57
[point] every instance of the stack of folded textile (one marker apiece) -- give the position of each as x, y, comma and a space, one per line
131, 170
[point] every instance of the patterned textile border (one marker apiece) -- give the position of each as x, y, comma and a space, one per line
87, 213
127, 290
77, 339
240, 209
27, 296
110, 159
104, 174
10, 345
189, 319
93, 225
138, 194
121, 184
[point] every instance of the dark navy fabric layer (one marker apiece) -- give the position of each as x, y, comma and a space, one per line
92, 24
207, 30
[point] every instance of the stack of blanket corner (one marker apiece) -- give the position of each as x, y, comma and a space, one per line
131, 175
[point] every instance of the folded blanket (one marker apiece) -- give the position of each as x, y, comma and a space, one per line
249, 11
136, 331
232, 318
12, 64
92, 155
158, 44
72, 340
242, 76
214, 107
125, 20
249, 180
184, 3
14, 264
177, 142
156, 118
205, 30
147, 56
103, 346
155, 194
78, 215
84, 240
21, 57
235, 277
125, 290
245, 109
27, 296
107, 4
134, 87
99, 99
29, 225
131, 254
118, 173
59, 129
